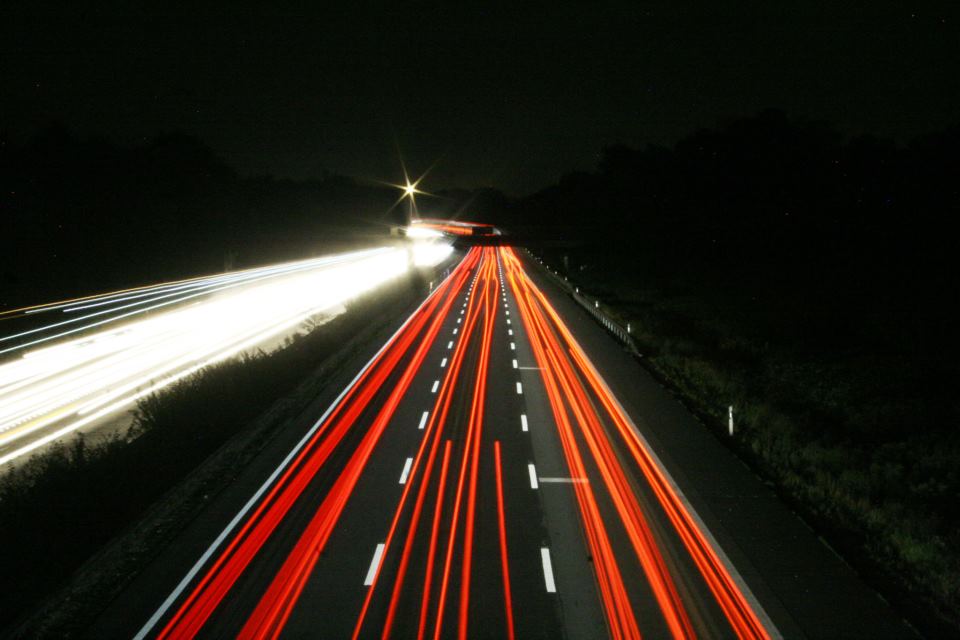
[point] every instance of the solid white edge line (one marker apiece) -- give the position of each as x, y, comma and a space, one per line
374, 565
523, 422
423, 420
547, 570
165, 605
406, 471
532, 470
552, 480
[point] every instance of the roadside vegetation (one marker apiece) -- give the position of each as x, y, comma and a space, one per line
61, 507
804, 279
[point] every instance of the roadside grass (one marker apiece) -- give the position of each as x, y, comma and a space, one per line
60, 507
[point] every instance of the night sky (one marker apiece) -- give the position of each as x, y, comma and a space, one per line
508, 98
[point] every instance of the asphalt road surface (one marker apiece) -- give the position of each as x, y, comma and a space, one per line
480, 478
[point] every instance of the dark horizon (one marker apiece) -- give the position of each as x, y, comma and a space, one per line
59, 133
509, 99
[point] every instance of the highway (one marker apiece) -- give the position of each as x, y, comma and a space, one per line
476, 479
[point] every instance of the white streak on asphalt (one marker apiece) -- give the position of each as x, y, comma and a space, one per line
374, 565
523, 422
423, 420
532, 470
436, 383
547, 570
406, 471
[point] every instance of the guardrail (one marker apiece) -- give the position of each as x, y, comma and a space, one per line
613, 327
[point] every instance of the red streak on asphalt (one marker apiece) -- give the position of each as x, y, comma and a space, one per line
504, 557
433, 433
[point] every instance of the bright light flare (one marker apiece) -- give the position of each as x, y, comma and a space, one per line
420, 233
430, 253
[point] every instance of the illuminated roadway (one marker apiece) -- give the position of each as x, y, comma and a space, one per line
477, 478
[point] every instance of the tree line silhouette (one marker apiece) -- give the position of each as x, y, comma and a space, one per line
86, 215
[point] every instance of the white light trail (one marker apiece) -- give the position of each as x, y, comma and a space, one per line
56, 389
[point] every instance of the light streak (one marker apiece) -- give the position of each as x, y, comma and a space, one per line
432, 550
502, 527
71, 384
